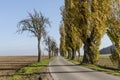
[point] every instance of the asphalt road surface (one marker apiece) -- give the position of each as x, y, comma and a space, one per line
62, 69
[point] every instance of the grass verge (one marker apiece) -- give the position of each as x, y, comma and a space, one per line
30, 70
102, 69
98, 68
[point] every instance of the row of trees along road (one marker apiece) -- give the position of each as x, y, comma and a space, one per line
36, 24
85, 22
51, 47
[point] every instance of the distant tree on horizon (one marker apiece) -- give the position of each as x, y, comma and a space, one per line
36, 24
48, 44
51, 46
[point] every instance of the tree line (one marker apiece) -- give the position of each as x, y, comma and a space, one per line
85, 22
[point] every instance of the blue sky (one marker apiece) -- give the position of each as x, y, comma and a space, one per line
12, 11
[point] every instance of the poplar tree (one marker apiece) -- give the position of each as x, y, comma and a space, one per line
113, 31
89, 18
97, 18
62, 40
72, 43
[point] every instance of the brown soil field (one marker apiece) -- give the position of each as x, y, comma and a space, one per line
9, 65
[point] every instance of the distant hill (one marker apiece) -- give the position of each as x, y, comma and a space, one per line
107, 50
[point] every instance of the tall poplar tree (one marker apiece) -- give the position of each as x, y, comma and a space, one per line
113, 31
72, 43
89, 18
62, 40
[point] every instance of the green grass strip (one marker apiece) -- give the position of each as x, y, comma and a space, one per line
102, 69
97, 68
30, 69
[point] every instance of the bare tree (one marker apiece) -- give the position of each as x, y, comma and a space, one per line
35, 24
48, 44
51, 46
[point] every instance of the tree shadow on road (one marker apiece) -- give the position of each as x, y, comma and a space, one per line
53, 72
59, 72
53, 65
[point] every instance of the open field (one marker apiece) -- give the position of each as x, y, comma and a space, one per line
104, 60
11, 64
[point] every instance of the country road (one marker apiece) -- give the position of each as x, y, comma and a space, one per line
61, 69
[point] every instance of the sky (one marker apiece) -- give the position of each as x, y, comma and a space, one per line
12, 11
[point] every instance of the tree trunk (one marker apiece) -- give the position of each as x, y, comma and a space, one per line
68, 56
87, 53
49, 54
73, 54
39, 51
119, 64
52, 53
78, 55
91, 52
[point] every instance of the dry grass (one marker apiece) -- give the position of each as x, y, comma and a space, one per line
104, 60
104, 65
18, 58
